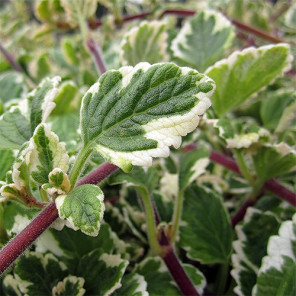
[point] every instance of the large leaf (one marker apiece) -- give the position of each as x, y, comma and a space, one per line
203, 39
145, 43
83, 208
135, 113
205, 231
47, 154
250, 247
277, 273
6, 161
245, 72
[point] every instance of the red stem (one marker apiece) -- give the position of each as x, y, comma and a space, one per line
241, 212
95, 51
26, 237
9, 58
271, 185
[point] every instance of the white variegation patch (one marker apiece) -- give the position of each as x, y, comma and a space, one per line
60, 288
10, 282
169, 185
199, 168
20, 222
142, 285
287, 118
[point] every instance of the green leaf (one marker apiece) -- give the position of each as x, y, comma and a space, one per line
250, 247
246, 72
145, 43
48, 153
14, 129
149, 106
203, 40
71, 285
41, 101
206, 235
240, 133
6, 161
277, 273
48, 268
102, 272
58, 183
139, 177
165, 206
274, 160
273, 107
83, 208
159, 280
12, 86
192, 165
133, 284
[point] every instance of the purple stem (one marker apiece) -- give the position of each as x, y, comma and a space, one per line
26, 237
95, 51
241, 212
9, 58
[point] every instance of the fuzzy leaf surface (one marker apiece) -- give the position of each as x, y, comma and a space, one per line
135, 113
83, 208
145, 43
12, 86
206, 235
245, 72
203, 39
277, 273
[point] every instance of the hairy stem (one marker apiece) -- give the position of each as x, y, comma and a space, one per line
150, 222
176, 217
26, 237
23, 240
96, 54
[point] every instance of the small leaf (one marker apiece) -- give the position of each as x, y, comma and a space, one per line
240, 133
48, 154
58, 183
277, 272
133, 114
83, 208
203, 39
41, 101
145, 43
250, 247
246, 72
132, 284
14, 129
71, 285
206, 235
102, 272
192, 165
274, 160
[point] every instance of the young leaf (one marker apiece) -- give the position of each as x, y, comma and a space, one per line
102, 272
149, 106
58, 183
274, 160
203, 39
239, 133
277, 273
250, 247
206, 235
41, 101
14, 129
145, 43
83, 208
48, 268
71, 285
192, 165
48, 153
132, 284
160, 281
245, 72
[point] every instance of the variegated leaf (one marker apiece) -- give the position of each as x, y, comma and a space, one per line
47, 154
135, 113
145, 43
246, 72
83, 208
71, 285
58, 183
202, 40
